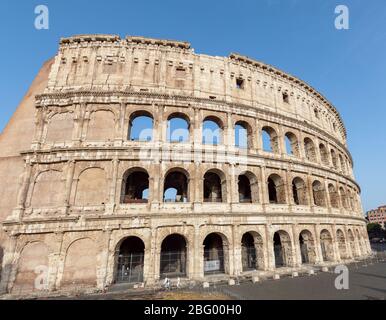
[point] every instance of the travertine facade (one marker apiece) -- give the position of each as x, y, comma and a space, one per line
84, 201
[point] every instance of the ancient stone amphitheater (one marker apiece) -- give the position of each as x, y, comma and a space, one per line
131, 160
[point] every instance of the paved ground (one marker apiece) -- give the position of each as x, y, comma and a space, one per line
364, 283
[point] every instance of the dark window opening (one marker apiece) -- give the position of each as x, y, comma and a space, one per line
136, 188
285, 97
239, 83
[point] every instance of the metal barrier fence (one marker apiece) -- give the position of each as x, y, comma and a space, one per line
130, 268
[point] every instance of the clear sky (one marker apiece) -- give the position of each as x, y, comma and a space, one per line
298, 36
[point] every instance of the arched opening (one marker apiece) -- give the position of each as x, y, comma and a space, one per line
173, 256
343, 198
130, 260
318, 194
270, 140
176, 187
282, 249
135, 186
334, 159
215, 257
309, 149
334, 196
244, 187
299, 191
360, 243
178, 128
214, 186
212, 129
248, 252
342, 164
324, 154
326, 245
307, 248
291, 144
243, 135
351, 241
141, 126
276, 189
341, 244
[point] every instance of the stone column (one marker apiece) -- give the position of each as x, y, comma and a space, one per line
113, 184
297, 259
23, 190
317, 246
270, 261
336, 251
238, 268
106, 269
69, 179
8, 265
55, 261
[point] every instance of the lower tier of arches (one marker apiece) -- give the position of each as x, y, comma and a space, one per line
98, 259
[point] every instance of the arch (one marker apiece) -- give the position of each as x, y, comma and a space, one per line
342, 164
60, 127
178, 127
326, 245
212, 130
80, 264
307, 247
334, 196
92, 187
47, 190
341, 244
173, 256
319, 194
309, 148
350, 200
252, 251
292, 144
32, 265
324, 154
351, 241
141, 126
270, 138
248, 188
135, 186
243, 135
299, 191
343, 198
215, 255
130, 253
334, 159
176, 186
276, 189
101, 126
360, 241
282, 249
214, 186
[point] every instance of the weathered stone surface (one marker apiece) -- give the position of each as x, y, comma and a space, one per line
74, 175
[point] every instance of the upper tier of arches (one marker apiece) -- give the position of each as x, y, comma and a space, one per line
107, 124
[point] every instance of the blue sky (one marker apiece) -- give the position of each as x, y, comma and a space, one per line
298, 36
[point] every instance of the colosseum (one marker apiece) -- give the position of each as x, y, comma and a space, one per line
134, 159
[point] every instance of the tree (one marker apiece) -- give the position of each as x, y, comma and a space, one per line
375, 230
